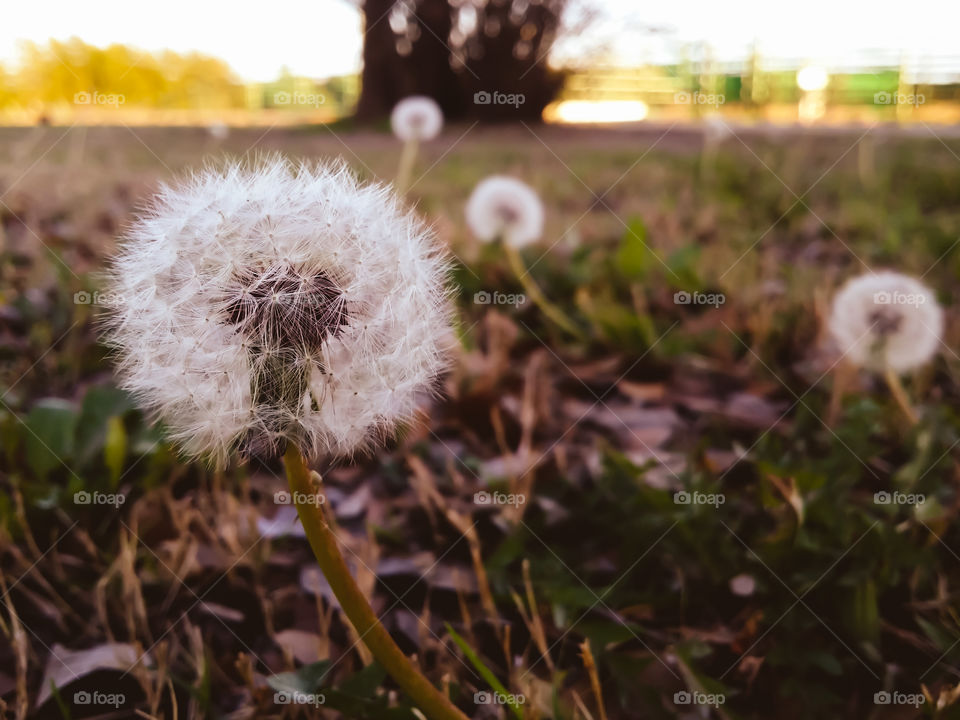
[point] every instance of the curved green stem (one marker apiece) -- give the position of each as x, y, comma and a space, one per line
431, 701
536, 294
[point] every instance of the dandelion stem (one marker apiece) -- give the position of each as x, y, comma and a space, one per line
843, 378
408, 158
431, 701
535, 293
900, 395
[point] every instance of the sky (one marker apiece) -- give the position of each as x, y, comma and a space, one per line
323, 38
315, 38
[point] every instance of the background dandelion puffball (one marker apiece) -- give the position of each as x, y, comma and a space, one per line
416, 118
886, 320
264, 303
501, 206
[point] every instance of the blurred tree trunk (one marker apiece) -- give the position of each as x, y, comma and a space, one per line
424, 51
380, 77
428, 63
508, 56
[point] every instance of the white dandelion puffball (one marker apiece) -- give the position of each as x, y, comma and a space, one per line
416, 118
266, 303
715, 130
886, 320
218, 130
505, 207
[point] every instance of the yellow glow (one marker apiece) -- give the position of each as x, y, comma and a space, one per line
812, 78
596, 111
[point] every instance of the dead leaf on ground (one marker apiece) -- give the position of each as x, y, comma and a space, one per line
65, 666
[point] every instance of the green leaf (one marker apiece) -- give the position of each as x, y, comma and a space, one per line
100, 404
49, 435
622, 324
485, 672
58, 699
634, 257
683, 264
944, 640
864, 613
115, 449
364, 683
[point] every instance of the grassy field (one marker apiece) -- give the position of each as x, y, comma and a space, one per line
589, 585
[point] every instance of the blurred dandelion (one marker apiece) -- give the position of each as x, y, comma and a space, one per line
218, 131
273, 307
414, 120
888, 323
716, 131
506, 209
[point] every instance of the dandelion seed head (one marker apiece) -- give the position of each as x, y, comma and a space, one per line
416, 118
218, 130
505, 207
886, 320
716, 129
267, 302
278, 306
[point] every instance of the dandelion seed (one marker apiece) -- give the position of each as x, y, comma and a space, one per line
269, 303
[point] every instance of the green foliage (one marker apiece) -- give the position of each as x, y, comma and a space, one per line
635, 258
50, 430
485, 672
844, 589
60, 448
